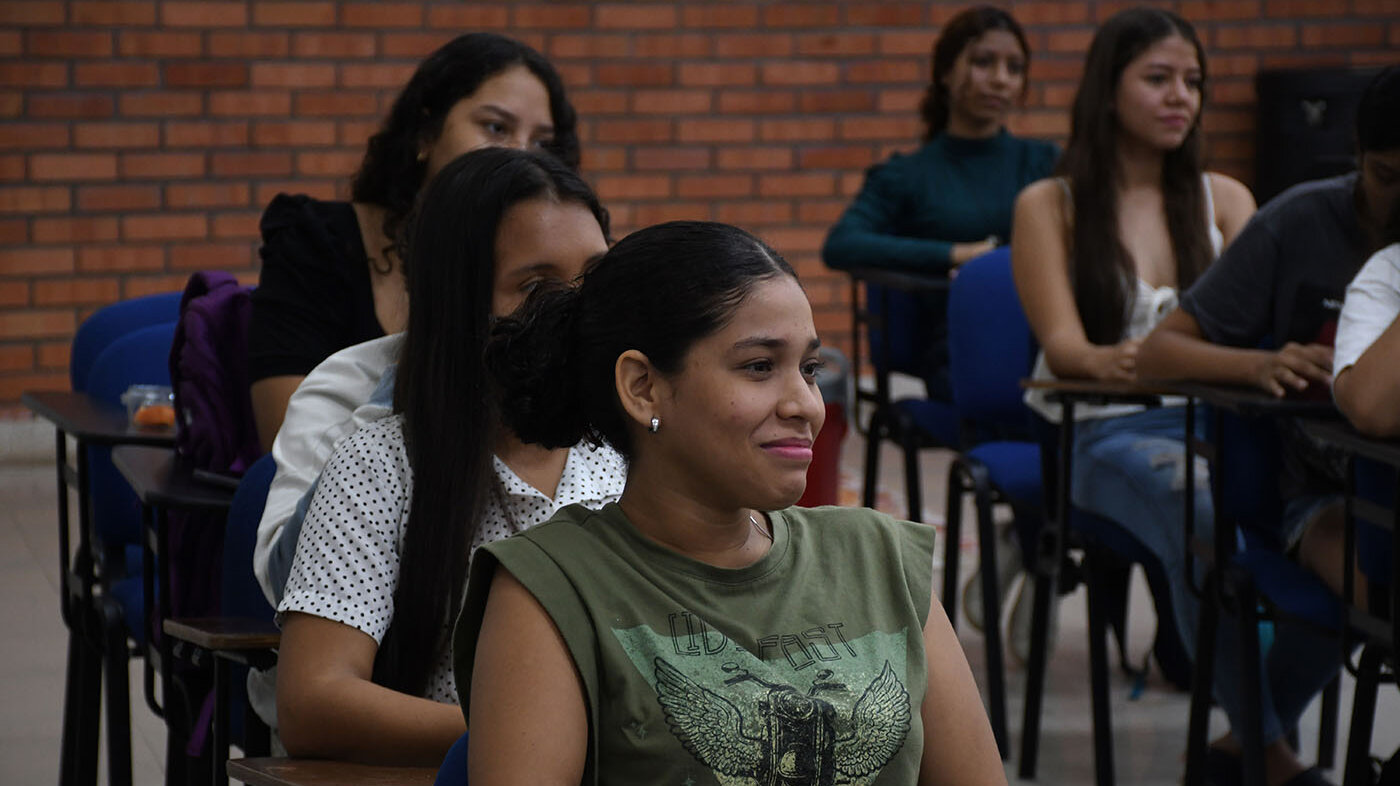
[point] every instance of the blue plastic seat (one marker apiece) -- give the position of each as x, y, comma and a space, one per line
453, 771
110, 323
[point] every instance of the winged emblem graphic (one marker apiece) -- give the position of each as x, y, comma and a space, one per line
804, 741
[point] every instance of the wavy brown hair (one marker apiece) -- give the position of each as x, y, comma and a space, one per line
957, 35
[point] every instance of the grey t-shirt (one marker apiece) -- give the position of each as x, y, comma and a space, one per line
1284, 279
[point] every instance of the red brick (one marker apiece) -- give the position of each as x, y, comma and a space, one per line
1202, 10
1323, 59
1235, 91
72, 166
838, 101
1256, 37
160, 166
284, 13
249, 45
254, 164
1376, 59
126, 258
755, 213
740, 45
672, 45
14, 231
243, 103
670, 158
1315, 34
802, 15
634, 74
1221, 121
11, 43
15, 357
1283, 9
658, 212
142, 43
152, 285
889, 14
54, 355
757, 102
297, 133
718, 74
807, 184
709, 130
671, 101
18, 13
333, 45
552, 15
835, 44
12, 168
116, 74
355, 133
165, 226
71, 292
899, 101
410, 45
1374, 7
237, 225
341, 163
336, 103
29, 136
797, 130
879, 128
298, 75
591, 103
320, 189
35, 261
108, 12
821, 211
793, 240
589, 45
634, 131
468, 17
633, 186
839, 157
121, 197
31, 323
221, 256
34, 199
68, 44
162, 104
203, 133
916, 44
184, 196
207, 13
30, 75
720, 15
205, 74
885, 71
755, 158
714, 186
633, 16
381, 15
87, 229
1074, 40
1040, 124
597, 158
387, 75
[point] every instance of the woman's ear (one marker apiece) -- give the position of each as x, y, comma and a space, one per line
639, 387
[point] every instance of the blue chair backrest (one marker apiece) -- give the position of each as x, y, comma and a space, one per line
241, 595
137, 358
1375, 482
1250, 463
990, 345
907, 322
453, 771
110, 323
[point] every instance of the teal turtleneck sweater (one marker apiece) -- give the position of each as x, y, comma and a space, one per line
914, 207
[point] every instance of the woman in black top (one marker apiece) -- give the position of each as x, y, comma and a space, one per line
332, 274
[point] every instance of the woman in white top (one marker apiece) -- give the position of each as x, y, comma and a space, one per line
381, 562
1099, 254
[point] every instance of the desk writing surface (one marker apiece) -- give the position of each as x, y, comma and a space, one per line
1252, 401
92, 420
905, 280
226, 633
159, 478
1342, 434
1097, 387
316, 772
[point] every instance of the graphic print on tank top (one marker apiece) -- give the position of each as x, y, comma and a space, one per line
812, 708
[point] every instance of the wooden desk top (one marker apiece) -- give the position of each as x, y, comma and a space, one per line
226, 633
315, 772
1342, 434
158, 478
92, 420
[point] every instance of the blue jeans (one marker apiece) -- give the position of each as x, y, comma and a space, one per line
1130, 469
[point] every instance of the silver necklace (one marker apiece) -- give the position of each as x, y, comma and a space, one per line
765, 533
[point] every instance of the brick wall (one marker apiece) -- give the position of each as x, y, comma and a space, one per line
139, 140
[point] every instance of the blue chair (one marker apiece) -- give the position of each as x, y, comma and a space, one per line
110, 323
453, 771
990, 350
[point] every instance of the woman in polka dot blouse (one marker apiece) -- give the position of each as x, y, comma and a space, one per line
381, 563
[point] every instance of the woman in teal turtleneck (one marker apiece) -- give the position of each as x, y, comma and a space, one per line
949, 201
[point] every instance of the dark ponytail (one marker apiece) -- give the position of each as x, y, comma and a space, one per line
532, 358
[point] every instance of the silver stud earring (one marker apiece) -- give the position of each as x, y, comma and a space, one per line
655, 424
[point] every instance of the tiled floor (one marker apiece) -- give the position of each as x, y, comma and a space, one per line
1149, 731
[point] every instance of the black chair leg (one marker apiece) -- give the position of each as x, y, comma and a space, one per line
1363, 716
952, 540
909, 440
1098, 672
1035, 675
117, 660
874, 435
82, 702
1202, 681
1251, 687
1327, 725
991, 606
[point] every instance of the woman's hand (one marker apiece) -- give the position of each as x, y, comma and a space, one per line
1293, 367
963, 252
1116, 362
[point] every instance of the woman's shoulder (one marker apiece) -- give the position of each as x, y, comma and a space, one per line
858, 525
1229, 193
1047, 193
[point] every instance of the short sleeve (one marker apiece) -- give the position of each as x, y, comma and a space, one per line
1232, 300
346, 566
313, 296
1372, 304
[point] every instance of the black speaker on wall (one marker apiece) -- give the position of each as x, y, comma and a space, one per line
1305, 129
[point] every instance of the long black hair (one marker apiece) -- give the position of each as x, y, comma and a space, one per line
448, 409
391, 174
957, 34
658, 291
1101, 268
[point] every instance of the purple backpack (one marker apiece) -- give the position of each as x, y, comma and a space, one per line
214, 426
